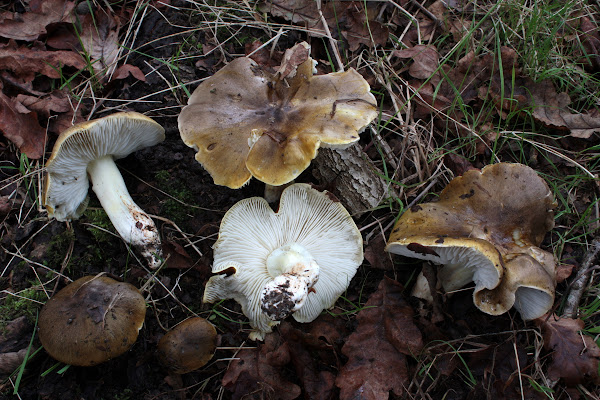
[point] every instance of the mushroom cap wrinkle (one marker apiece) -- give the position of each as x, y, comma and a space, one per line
244, 121
116, 135
485, 228
251, 232
91, 320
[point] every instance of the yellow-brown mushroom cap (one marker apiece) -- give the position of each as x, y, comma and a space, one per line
244, 121
485, 228
188, 346
91, 320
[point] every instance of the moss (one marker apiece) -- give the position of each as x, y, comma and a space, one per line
101, 231
173, 208
19, 304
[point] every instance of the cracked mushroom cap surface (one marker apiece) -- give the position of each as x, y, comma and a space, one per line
251, 231
117, 135
485, 228
188, 346
91, 320
244, 121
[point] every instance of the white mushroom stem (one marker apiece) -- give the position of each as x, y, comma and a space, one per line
132, 223
295, 272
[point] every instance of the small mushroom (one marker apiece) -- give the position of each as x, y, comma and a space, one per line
486, 228
245, 121
91, 320
188, 346
297, 261
89, 149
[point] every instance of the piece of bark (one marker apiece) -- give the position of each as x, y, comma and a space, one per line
352, 177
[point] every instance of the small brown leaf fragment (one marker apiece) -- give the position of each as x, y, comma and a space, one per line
563, 271
21, 127
575, 356
259, 372
55, 102
376, 350
127, 69
376, 255
425, 60
360, 29
457, 163
30, 25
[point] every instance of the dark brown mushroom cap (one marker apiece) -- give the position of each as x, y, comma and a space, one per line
188, 346
91, 320
244, 121
500, 214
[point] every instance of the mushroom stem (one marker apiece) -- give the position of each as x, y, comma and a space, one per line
273, 193
132, 223
295, 272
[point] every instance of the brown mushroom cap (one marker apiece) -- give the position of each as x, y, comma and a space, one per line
244, 121
188, 346
485, 228
91, 320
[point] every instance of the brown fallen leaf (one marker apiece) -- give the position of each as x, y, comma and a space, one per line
377, 350
21, 126
425, 61
30, 25
575, 356
258, 373
362, 29
23, 60
306, 352
127, 69
99, 37
55, 102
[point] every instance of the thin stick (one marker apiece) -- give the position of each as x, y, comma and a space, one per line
581, 280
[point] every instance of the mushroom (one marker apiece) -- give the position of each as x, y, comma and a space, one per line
91, 320
297, 261
188, 346
486, 228
245, 121
89, 149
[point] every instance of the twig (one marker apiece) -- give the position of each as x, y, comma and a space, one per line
581, 280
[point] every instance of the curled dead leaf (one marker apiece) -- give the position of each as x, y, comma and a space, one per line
30, 25
377, 350
575, 356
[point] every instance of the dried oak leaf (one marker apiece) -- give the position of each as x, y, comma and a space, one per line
30, 25
23, 60
307, 351
258, 374
575, 356
361, 30
425, 61
377, 350
100, 39
21, 126
127, 69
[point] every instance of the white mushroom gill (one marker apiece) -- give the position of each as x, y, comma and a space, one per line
132, 223
295, 272
295, 262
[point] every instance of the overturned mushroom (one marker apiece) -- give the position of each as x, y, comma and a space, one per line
486, 228
188, 346
91, 320
297, 261
244, 121
89, 149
